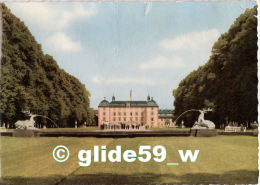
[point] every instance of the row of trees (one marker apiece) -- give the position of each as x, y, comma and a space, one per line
228, 81
31, 80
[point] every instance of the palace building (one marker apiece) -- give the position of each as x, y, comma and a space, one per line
138, 113
165, 117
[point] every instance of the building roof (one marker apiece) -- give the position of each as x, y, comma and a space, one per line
113, 103
103, 103
165, 113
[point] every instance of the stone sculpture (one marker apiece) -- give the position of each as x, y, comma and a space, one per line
202, 123
27, 124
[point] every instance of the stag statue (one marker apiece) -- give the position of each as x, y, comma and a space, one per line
26, 124
202, 123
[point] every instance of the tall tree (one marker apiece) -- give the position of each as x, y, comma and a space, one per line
228, 81
32, 80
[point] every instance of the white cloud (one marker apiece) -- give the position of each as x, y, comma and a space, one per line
122, 80
191, 41
54, 21
193, 46
161, 62
49, 17
62, 43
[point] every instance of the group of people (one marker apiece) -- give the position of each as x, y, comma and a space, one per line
122, 127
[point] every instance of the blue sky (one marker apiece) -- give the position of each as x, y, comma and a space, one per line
114, 47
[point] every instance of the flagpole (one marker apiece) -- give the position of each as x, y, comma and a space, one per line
130, 94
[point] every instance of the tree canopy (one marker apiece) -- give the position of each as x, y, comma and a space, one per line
32, 80
228, 81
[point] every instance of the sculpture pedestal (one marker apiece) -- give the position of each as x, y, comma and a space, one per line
25, 133
203, 132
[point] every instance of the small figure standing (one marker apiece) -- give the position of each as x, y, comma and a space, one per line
182, 124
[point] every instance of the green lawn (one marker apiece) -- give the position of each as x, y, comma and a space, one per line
222, 159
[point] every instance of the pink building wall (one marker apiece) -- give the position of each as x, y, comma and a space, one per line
128, 115
161, 121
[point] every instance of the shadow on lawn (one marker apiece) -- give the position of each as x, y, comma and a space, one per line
232, 177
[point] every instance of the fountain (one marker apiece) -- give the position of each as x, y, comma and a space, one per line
201, 127
26, 128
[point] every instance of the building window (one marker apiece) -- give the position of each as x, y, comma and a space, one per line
119, 114
119, 119
151, 113
114, 119
142, 119
114, 113
136, 119
130, 119
131, 114
124, 114
142, 113
136, 113
104, 113
152, 108
124, 119
104, 119
151, 119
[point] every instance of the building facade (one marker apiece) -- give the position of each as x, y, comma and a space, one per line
165, 118
141, 113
